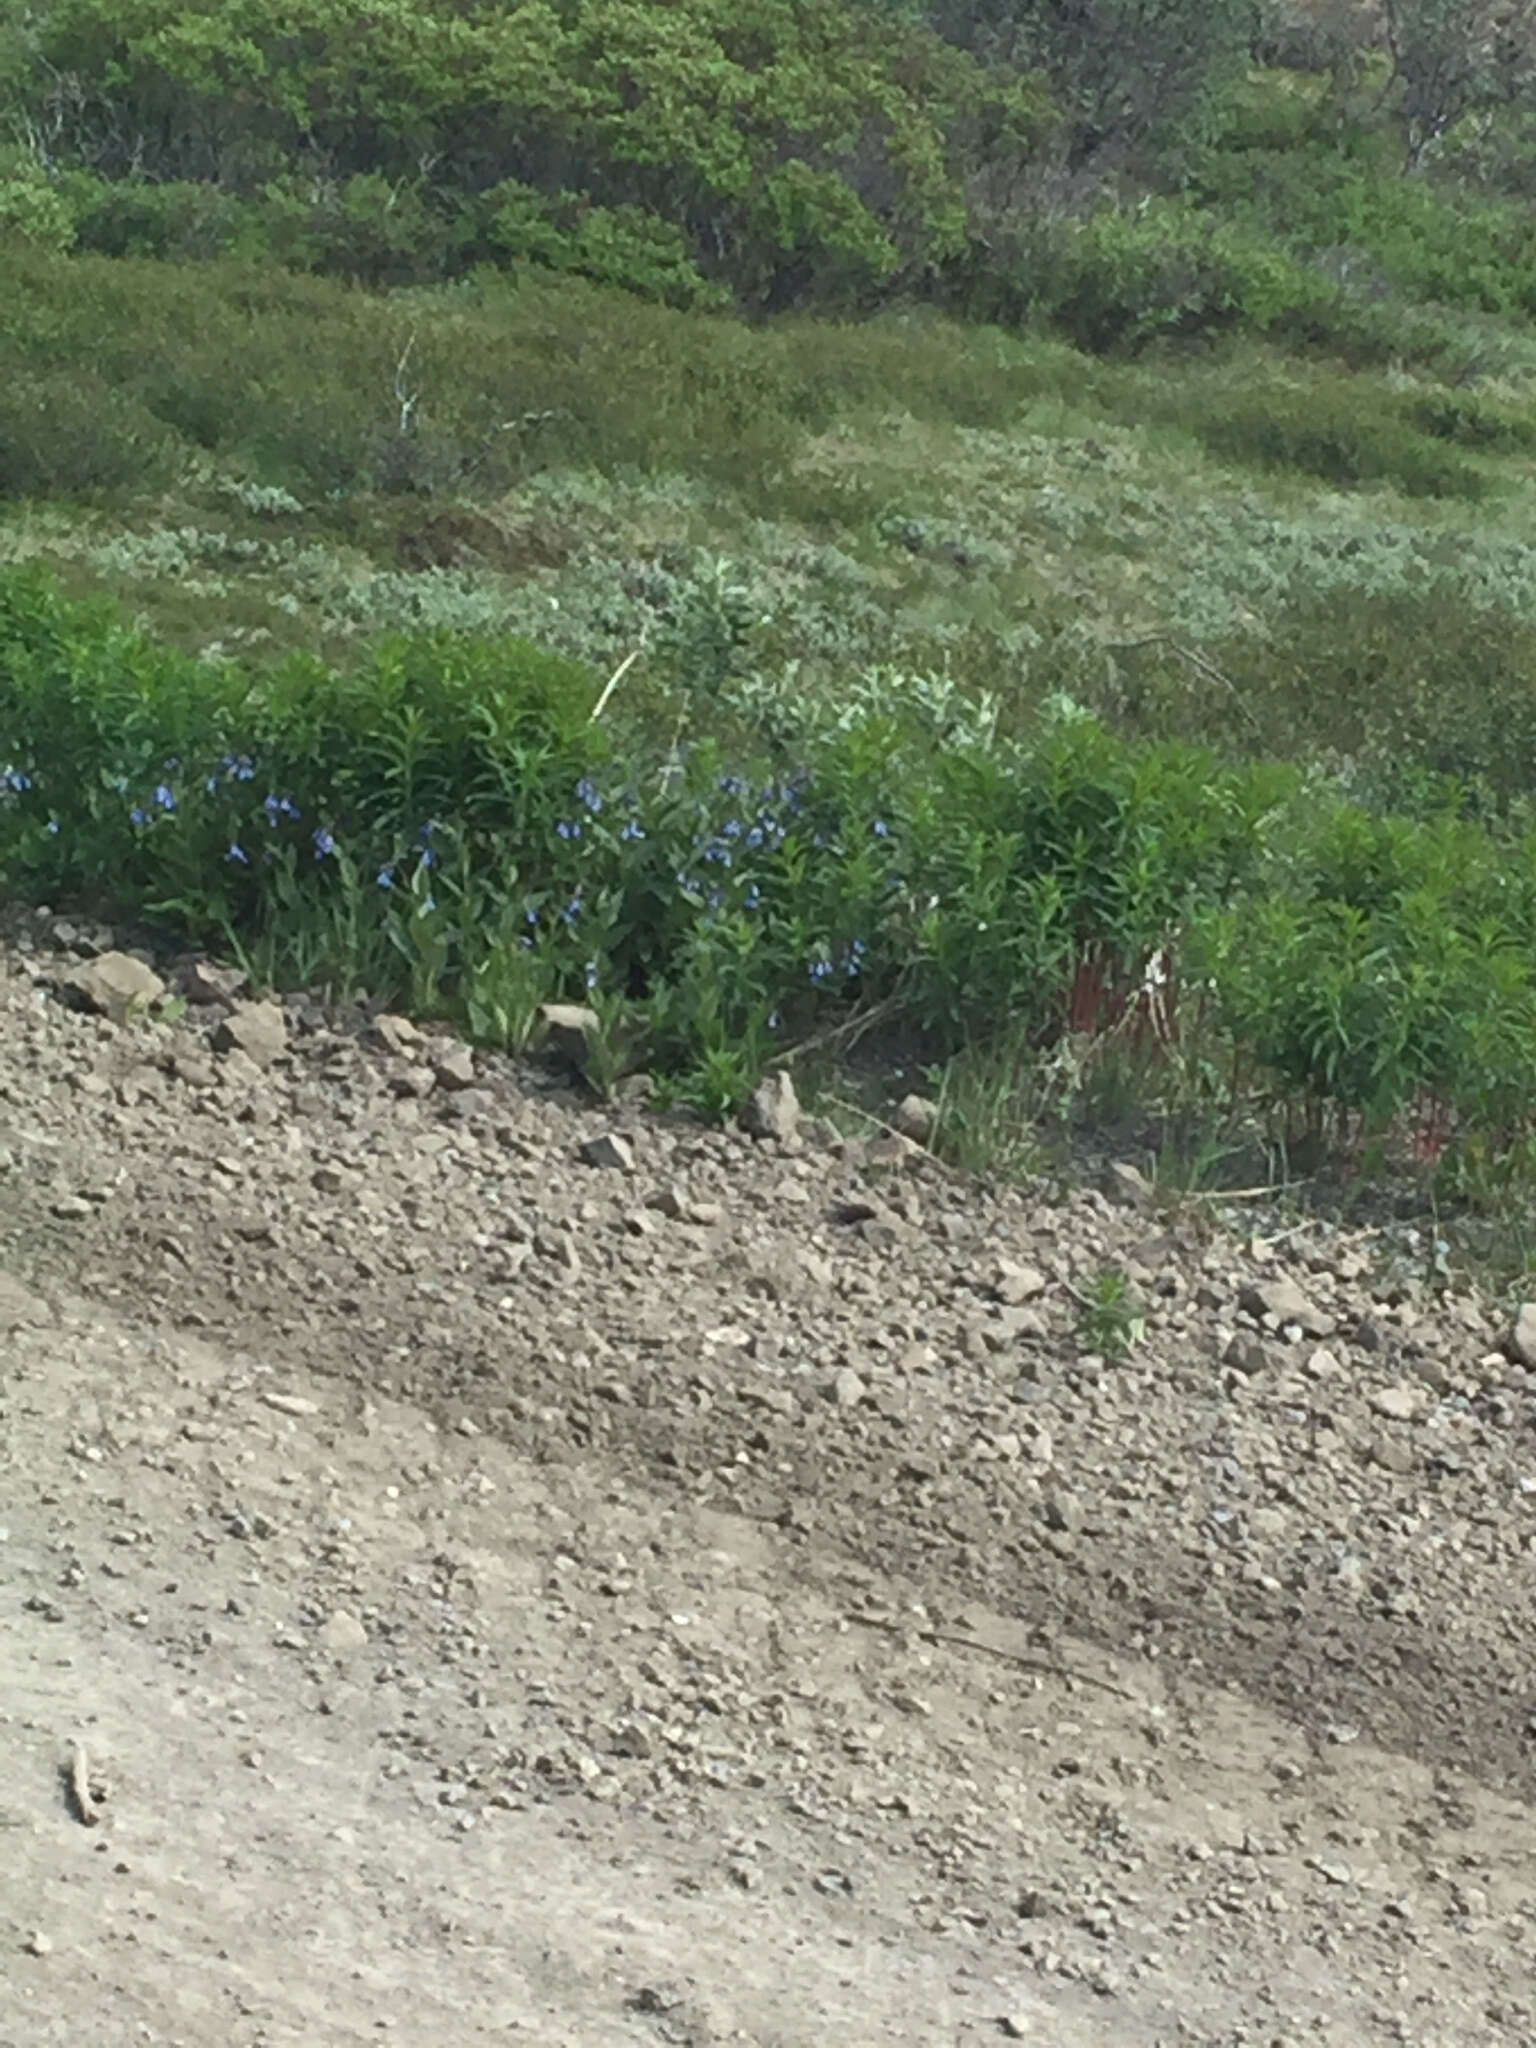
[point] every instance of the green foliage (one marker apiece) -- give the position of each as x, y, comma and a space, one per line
67, 432
31, 209
1341, 203
444, 820
1109, 1321
1124, 277
801, 145
1336, 431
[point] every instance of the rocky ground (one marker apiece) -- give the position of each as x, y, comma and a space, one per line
479, 1565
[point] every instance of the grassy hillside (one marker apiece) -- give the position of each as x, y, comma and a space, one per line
1087, 630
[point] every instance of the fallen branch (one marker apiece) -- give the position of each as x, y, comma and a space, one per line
81, 1796
850, 1031
613, 683
1043, 1665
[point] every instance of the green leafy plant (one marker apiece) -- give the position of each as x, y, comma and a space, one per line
1109, 1321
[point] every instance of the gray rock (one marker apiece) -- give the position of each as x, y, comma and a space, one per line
412, 1081
343, 1633
917, 1118
1127, 1185
1014, 1284
205, 981
847, 1389
1402, 1403
567, 1030
454, 1067
1062, 1511
772, 1110
1284, 1300
463, 1105
259, 1030
608, 1149
1521, 1341
115, 985
1248, 1355
397, 1035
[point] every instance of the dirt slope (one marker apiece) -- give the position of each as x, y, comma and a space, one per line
707, 1594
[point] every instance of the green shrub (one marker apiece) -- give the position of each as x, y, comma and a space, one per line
1126, 276
814, 148
33, 210
63, 433
1347, 433
181, 221
1343, 199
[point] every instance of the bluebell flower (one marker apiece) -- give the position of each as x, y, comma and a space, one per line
880, 829
385, 878
734, 785
820, 970
428, 857
238, 853
592, 974
774, 1020
569, 828
754, 838
211, 783
272, 808
633, 830
52, 825
138, 815
753, 897
571, 911
325, 842
165, 796
530, 915
289, 808
731, 829
589, 794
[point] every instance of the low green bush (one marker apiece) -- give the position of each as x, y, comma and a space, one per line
1343, 199
68, 432
1346, 432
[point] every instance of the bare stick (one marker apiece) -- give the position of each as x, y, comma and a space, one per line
613, 683
1043, 1665
80, 1786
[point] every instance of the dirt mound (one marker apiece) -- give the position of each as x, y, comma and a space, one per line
744, 1536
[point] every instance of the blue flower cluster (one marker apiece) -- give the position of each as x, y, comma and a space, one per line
760, 822
824, 969
234, 768
426, 856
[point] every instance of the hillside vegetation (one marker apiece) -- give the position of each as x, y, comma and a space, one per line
805, 526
